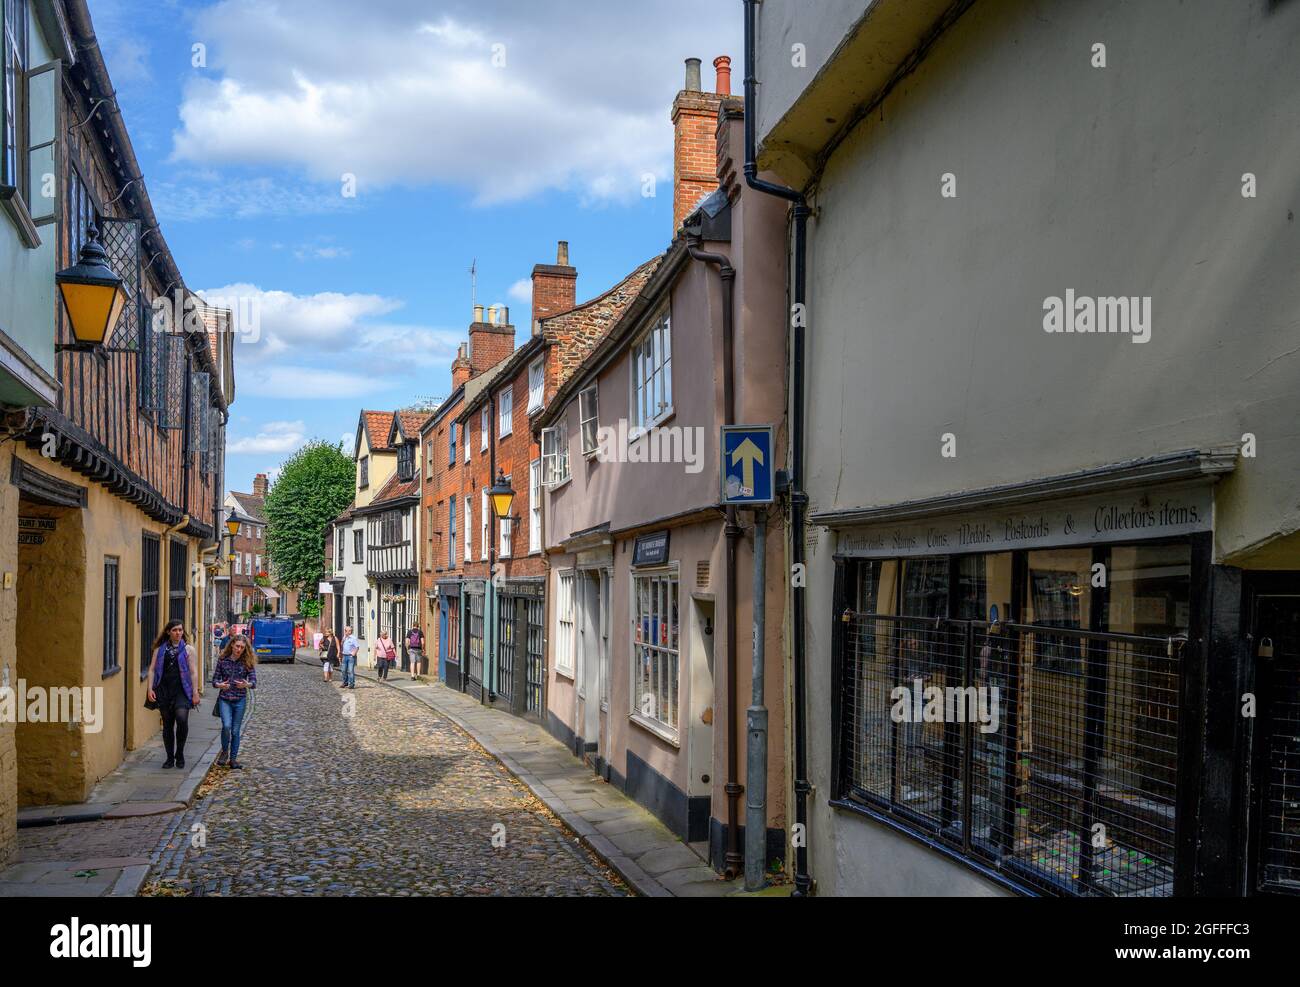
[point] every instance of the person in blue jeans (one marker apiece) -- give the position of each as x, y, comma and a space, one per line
350, 647
235, 674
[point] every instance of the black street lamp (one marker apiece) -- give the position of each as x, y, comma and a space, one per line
502, 496
93, 295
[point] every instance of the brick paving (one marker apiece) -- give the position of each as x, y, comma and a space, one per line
390, 800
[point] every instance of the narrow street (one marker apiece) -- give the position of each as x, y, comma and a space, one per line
392, 800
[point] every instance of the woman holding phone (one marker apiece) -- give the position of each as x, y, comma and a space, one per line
235, 674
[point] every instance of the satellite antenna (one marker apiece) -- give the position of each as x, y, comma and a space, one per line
473, 282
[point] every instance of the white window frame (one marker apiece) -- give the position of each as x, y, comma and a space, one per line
645, 604
451, 532
505, 412
650, 374
555, 462
257, 564
589, 415
483, 525
484, 427
565, 622
465, 439
239, 563
535, 506
469, 530
536, 385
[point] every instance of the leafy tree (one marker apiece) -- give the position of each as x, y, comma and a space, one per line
314, 486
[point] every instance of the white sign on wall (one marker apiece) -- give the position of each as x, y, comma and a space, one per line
1139, 515
325, 588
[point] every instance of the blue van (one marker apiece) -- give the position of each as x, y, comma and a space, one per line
272, 638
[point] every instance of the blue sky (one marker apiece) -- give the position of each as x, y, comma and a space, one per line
483, 130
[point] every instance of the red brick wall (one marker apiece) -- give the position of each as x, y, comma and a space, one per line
555, 290
695, 123
489, 345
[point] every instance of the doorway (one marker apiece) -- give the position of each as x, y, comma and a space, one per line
700, 726
592, 657
1275, 830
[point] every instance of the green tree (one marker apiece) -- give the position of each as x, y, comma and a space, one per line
314, 486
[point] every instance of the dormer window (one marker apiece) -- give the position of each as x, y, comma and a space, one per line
406, 461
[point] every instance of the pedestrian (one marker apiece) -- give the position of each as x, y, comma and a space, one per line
173, 678
385, 654
350, 647
235, 674
329, 654
415, 645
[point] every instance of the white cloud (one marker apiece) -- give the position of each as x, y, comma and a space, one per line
196, 196
273, 437
395, 98
522, 291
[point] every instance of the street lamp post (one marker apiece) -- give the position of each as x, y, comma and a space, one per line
500, 495
93, 295
232, 529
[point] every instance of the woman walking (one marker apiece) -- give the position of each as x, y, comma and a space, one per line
235, 674
385, 654
173, 675
415, 645
329, 653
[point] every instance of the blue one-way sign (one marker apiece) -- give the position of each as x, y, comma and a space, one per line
748, 468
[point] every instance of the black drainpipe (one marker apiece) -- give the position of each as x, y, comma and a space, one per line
735, 860
798, 500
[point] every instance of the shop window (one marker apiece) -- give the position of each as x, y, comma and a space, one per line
655, 652
1052, 753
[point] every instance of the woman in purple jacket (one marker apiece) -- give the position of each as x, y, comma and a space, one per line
173, 685
235, 674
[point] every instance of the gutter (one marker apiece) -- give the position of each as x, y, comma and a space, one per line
796, 498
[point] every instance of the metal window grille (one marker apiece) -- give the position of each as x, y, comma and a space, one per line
1279, 731
535, 674
178, 581
150, 574
475, 666
121, 240
655, 652
171, 390
1073, 792
505, 647
111, 616
199, 407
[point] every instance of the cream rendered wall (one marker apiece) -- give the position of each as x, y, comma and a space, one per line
926, 312
8, 665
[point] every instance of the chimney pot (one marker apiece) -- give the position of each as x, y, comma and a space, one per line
505, 315
692, 75
478, 313
492, 314
723, 65
562, 253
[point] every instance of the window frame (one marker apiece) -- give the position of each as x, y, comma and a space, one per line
505, 411
484, 527
555, 464
451, 532
662, 728
451, 445
650, 369
363, 472
469, 529
565, 617
537, 390
484, 427
112, 616
589, 401
535, 507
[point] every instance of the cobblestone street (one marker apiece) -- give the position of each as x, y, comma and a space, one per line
391, 800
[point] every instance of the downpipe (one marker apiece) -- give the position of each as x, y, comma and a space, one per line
796, 498
734, 860
756, 721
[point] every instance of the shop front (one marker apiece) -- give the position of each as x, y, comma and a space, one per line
1042, 690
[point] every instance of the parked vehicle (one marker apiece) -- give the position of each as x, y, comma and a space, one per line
272, 638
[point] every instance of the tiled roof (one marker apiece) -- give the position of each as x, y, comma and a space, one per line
413, 421
396, 488
580, 329
377, 425
346, 515
250, 505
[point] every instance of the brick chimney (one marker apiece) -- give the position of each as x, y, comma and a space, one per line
260, 485
490, 342
695, 124
555, 286
460, 370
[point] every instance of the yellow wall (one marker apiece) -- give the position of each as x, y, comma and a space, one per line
8, 670
61, 635
382, 466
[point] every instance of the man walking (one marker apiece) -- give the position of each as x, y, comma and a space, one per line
350, 646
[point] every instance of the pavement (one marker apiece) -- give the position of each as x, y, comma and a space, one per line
626, 836
106, 845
